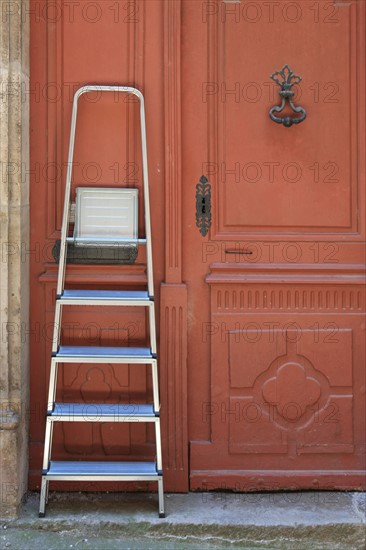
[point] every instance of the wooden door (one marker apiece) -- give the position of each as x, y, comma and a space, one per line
73, 44
276, 296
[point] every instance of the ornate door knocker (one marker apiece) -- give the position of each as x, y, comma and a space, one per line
286, 79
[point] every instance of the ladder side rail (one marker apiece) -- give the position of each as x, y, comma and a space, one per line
152, 325
159, 461
52, 385
43, 497
66, 212
150, 281
56, 327
47, 445
155, 384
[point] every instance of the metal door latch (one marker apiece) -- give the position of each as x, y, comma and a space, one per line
203, 205
286, 79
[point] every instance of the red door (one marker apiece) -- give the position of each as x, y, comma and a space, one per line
276, 295
276, 387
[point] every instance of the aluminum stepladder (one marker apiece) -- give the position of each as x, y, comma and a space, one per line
78, 412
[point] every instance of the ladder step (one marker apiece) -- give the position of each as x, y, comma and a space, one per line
103, 412
106, 297
101, 471
103, 354
103, 241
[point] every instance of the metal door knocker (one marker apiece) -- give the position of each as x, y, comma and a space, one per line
286, 79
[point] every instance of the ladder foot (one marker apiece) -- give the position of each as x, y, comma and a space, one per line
161, 515
42, 514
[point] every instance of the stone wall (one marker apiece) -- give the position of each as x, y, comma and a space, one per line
14, 242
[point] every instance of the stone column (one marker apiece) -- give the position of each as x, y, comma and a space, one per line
14, 244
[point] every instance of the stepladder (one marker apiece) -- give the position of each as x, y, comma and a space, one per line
105, 216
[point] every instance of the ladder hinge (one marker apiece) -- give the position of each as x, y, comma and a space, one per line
58, 296
154, 355
160, 472
157, 413
151, 298
54, 353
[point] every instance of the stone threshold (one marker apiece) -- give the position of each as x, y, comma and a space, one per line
301, 520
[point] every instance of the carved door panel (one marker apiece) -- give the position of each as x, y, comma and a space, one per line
75, 44
276, 296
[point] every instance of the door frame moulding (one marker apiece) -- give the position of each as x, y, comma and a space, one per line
173, 305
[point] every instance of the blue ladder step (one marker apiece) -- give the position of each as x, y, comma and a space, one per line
105, 241
105, 297
103, 412
101, 471
103, 354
